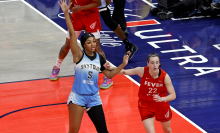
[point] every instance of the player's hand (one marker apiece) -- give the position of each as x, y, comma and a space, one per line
107, 66
157, 98
126, 58
65, 8
76, 9
108, 2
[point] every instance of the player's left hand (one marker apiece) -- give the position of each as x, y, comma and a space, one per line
107, 66
157, 98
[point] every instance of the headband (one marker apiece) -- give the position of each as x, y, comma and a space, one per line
85, 37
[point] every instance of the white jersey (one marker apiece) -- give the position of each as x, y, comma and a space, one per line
86, 75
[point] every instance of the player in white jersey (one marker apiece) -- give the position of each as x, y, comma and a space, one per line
84, 94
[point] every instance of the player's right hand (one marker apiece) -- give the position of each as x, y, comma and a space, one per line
126, 58
65, 8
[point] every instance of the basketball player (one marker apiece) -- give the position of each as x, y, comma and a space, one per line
106, 16
153, 100
85, 90
85, 16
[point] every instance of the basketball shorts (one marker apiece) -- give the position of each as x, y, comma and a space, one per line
90, 22
96, 34
103, 4
76, 32
160, 110
86, 101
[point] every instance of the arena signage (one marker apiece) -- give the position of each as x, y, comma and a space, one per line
186, 59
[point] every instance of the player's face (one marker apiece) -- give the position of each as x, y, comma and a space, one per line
153, 64
90, 44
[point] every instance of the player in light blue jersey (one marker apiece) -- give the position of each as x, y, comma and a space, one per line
84, 94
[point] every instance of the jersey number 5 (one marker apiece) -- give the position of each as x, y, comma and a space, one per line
90, 74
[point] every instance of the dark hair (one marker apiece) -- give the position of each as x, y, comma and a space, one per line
153, 55
84, 37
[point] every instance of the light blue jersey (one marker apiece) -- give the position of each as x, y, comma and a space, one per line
86, 76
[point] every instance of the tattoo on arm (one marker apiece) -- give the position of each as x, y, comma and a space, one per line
98, 48
101, 53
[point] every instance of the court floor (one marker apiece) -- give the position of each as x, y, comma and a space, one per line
32, 33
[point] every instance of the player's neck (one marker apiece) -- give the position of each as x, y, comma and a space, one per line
154, 74
89, 53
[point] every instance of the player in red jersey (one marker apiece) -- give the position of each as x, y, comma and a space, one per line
85, 16
153, 100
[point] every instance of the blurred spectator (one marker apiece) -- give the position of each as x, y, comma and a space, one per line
173, 8
210, 7
163, 11
186, 8
215, 6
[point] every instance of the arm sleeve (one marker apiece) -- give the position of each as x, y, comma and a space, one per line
102, 62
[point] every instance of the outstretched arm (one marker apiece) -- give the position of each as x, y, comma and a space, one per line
136, 71
109, 74
75, 49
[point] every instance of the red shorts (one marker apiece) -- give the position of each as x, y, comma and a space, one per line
160, 110
90, 22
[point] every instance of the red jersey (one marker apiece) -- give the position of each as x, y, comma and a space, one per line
150, 86
84, 3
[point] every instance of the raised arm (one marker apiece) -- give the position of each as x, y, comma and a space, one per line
95, 4
75, 49
135, 71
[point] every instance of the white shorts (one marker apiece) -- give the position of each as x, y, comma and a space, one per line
84, 100
77, 35
76, 32
103, 4
96, 34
